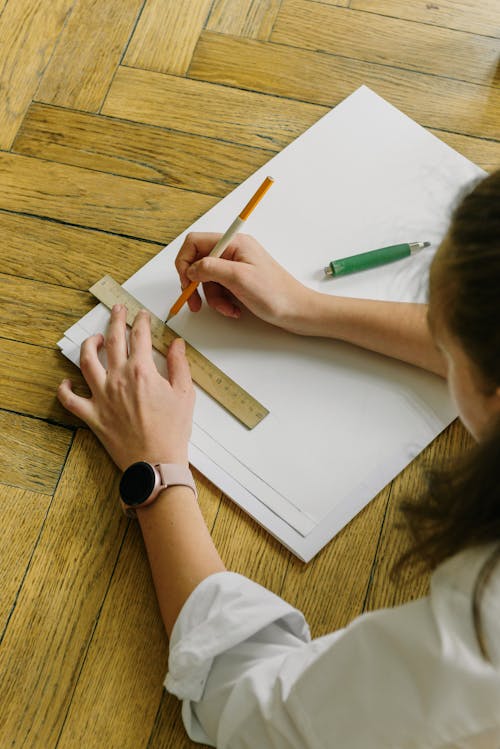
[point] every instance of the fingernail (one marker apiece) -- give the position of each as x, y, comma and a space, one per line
182, 345
227, 312
117, 308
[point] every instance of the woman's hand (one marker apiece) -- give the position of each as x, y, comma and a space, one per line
135, 412
245, 273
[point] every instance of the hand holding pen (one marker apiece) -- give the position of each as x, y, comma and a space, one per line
246, 275
223, 243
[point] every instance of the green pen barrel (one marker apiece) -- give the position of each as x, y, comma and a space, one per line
372, 259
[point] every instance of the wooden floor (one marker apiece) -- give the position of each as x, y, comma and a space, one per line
122, 121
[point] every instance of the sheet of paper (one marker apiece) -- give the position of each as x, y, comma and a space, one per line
343, 421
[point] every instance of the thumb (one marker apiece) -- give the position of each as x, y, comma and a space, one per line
218, 270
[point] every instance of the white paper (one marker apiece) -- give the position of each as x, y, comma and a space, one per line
343, 421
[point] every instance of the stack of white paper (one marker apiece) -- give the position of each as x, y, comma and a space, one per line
343, 421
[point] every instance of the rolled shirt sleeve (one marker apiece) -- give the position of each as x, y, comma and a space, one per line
226, 614
243, 663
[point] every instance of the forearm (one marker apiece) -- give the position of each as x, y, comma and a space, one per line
180, 549
396, 329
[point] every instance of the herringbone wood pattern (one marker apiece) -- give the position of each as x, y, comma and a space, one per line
121, 121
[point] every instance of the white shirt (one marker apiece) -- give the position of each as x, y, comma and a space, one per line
411, 677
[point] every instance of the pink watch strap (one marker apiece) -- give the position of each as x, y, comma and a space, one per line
173, 474
168, 474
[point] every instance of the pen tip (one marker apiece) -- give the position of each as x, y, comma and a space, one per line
427, 244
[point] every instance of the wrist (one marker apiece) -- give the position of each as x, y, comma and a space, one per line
180, 457
172, 495
152, 455
304, 318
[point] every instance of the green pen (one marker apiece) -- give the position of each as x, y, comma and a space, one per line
372, 259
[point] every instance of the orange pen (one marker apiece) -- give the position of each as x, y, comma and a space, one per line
224, 241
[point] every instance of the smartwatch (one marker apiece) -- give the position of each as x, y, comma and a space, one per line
142, 482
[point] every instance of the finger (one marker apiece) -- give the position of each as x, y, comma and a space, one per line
75, 404
140, 337
219, 299
220, 270
195, 246
179, 373
116, 339
194, 302
92, 369
219, 276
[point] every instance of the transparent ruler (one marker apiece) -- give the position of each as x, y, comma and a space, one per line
209, 377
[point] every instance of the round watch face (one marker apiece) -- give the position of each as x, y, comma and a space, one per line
137, 483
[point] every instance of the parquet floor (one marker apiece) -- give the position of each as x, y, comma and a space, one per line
121, 121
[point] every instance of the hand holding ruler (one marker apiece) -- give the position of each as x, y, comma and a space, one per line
210, 378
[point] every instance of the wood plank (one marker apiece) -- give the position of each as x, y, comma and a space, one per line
385, 40
32, 453
66, 255
23, 513
331, 589
151, 49
228, 113
246, 548
90, 48
484, 153
148, 153
94, 199
29, 377
61, 597
39, 313
412, 583
467, 15
169, 732
29, 32
252, 18
325, 79
130, 674
168, 157
343, 3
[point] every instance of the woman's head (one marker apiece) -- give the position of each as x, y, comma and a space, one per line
464, 306
461, 504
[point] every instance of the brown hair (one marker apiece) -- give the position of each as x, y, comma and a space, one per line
461, 505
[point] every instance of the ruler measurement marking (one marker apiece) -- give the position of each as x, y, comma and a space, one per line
210, 378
